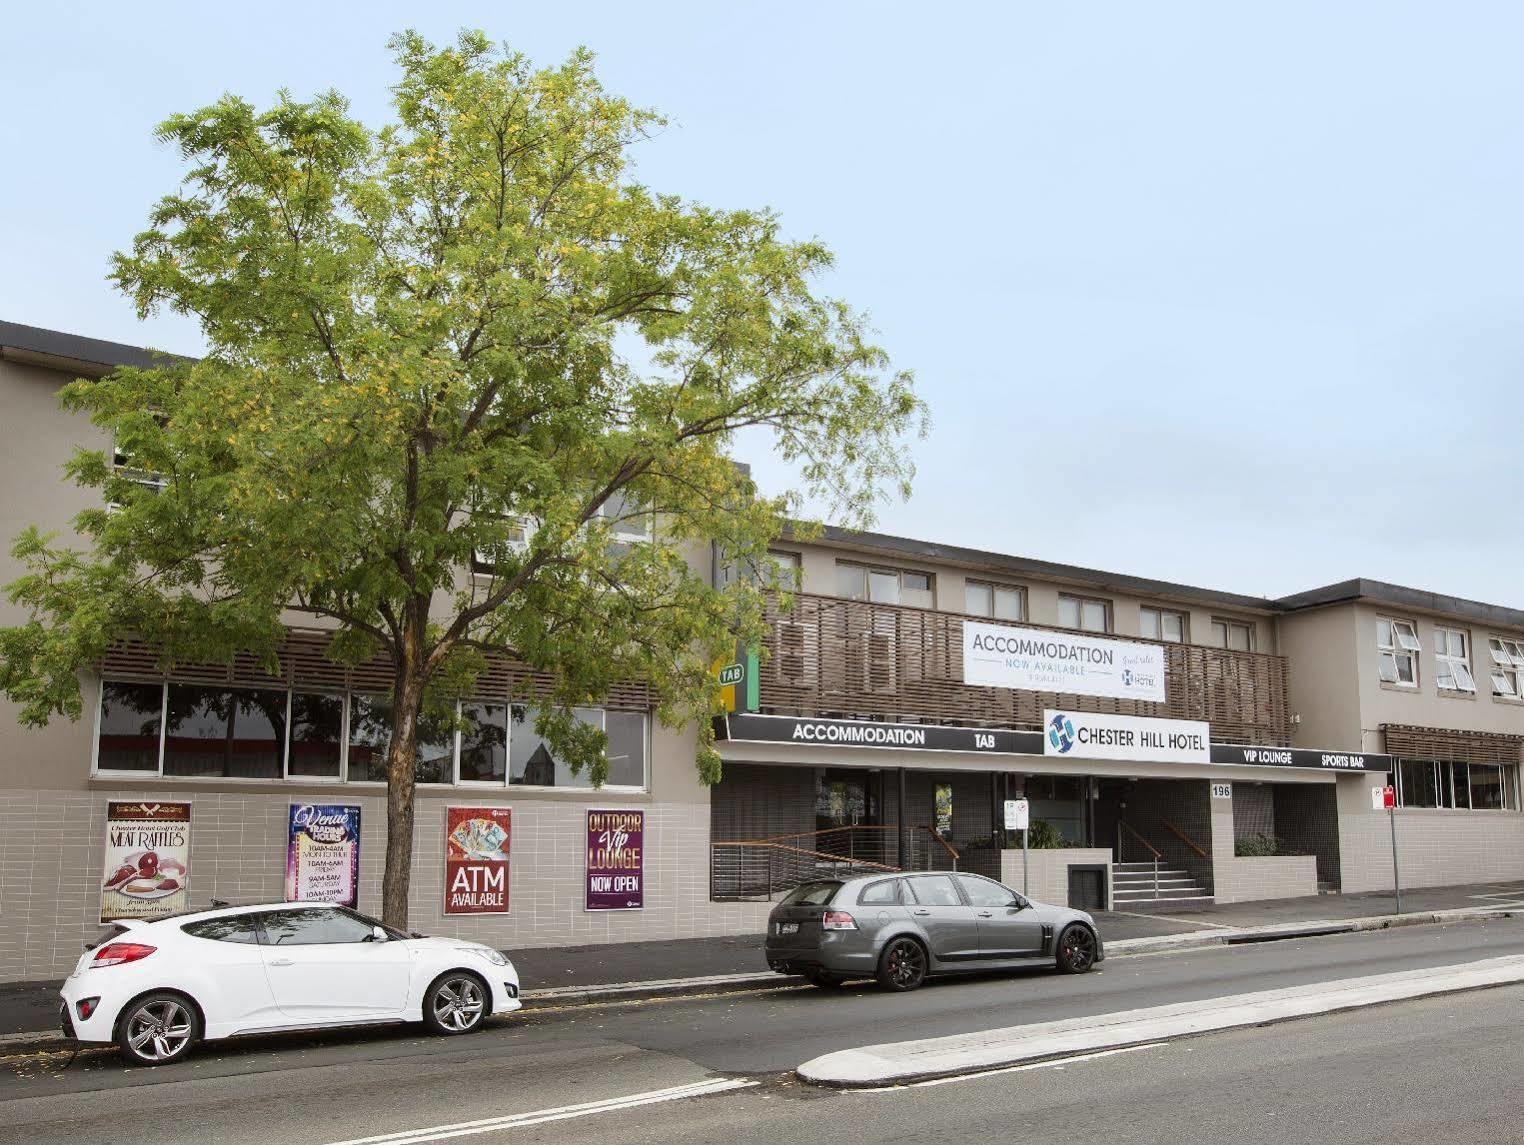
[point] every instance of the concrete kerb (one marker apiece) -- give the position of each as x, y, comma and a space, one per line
901, 1063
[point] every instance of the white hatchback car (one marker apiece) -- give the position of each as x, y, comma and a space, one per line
156, 988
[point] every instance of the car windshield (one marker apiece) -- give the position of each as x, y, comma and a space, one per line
813, 894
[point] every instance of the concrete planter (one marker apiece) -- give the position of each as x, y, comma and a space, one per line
1265, 877
1049, 877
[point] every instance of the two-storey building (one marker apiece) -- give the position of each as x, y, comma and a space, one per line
1172, 744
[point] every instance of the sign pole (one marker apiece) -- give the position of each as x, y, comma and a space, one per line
1026, 861
1391, 811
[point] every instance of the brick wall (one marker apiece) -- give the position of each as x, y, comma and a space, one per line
1271, 877
1049, 881
52, 851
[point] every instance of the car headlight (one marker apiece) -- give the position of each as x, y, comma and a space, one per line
492, 956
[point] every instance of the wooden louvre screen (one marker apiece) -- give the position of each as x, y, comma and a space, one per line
1411, 742
829, 656
304, 666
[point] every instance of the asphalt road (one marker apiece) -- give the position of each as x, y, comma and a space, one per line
343, 1087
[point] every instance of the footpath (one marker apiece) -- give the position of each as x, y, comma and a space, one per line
584, 975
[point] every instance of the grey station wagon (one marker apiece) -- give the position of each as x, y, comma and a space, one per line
901, 929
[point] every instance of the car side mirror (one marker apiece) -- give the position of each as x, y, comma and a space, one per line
378, 934
1020, 903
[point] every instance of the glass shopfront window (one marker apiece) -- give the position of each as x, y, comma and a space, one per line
483, 743
128, 735
532, 763
317, 735
225, 732
1457, 786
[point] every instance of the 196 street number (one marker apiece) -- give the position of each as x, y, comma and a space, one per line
1222, 791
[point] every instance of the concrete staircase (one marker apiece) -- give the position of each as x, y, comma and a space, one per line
1135, 886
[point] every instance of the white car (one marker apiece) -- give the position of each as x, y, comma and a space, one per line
157, 988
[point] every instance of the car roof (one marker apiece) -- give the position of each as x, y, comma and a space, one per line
215, 912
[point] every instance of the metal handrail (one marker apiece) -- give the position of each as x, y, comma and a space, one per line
1187, 840
1149, 847
948, 847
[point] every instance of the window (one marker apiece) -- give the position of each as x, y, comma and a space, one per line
370, 735
226, 732
317, 735
128, 735
1085, 613
1234, 635
935, 890
483, 743
531, 763
886, 893
1397, 651
885, 586
812, 894
314, 926
787, 575
997, 601
1452, 664
1163, 624
122, 463
1507, 666
229, 928
1458, 786
983, 892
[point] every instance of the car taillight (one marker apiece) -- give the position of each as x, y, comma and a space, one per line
837, 920
117, 953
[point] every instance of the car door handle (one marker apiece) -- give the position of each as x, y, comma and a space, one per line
921, 912
986, 914
282, 962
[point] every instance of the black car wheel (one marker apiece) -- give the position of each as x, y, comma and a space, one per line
902, 966
1076, 949
158, 1029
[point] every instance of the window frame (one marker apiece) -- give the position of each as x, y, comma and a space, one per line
870, 570
1161, 612
1442, 777
1463, 681
1231, 624
1080, 602
1507, 662
994, 587
1399, 648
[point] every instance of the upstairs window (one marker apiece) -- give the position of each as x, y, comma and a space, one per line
1085, 613
1397, 650
1163, 624
1452, 663
122, 462
516, 534
1507, 667
885, 586
631, 521
1234, 635
996, 601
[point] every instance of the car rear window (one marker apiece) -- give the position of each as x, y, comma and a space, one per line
885, 892
812, 894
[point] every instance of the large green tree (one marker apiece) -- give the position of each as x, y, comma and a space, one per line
470, 332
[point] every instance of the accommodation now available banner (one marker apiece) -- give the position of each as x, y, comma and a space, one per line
997, 656
616, 851
323, 854
147, 859
477, 846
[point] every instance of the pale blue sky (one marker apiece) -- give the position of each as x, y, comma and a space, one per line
1221, 293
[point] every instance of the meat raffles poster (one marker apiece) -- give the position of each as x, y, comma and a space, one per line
616, 860
323, 854
477, 844
147, 860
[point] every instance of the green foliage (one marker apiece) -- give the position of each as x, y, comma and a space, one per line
420, 336
1043, 836
1256, 846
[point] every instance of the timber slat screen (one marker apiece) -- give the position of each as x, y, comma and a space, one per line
833, 657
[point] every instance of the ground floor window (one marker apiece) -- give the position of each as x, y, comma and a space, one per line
1457, 785
192, 730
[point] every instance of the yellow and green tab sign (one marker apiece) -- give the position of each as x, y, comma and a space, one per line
738, 679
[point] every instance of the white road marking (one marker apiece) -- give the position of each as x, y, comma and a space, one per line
558, 1113
1052, 1063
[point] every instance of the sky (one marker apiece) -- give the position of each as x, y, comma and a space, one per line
1224, 294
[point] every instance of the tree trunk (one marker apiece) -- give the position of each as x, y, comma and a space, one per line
407, 700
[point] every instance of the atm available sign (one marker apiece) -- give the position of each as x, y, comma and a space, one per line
1032, 660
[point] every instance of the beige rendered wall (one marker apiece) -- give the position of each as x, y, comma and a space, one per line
1269, 877
1426, 705
1048, 880
1319, 646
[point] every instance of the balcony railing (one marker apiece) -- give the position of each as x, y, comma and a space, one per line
829, 656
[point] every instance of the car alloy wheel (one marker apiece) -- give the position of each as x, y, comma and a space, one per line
902, 965
458, 1004
1076, 950
158, 1029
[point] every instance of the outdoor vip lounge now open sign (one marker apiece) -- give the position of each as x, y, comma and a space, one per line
997, 656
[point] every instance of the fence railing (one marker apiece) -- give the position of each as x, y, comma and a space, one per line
765, 868
831, 656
